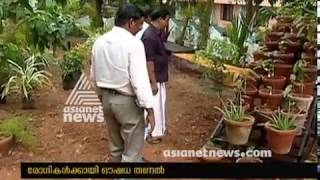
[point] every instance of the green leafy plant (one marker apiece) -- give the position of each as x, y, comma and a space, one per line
232, 111
299, 70
238, 32
281, 121
72, 63
47, 28
26, 79
19, 128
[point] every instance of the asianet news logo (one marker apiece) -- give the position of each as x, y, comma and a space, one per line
83, 104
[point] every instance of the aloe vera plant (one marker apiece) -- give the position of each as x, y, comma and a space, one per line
233, 112
282, 122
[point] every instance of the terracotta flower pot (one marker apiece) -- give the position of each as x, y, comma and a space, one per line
307, 88
272, 45
293, 47
293, 37
285, 19
251, 90
283, 70
6, 143
276, 82
279, 142
303, 101
260, 114
311, 73
287, 58
300, 119
238, 132
249, 160
282, 27
274, 36
310, 58
257, 55
272, 99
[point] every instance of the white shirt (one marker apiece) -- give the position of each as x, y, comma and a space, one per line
119, 63
144, 27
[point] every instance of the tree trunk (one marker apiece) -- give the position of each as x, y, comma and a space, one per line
1, 26
185, 25
205, 18
249, 9
99, 4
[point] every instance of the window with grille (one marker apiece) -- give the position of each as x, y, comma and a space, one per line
227, 12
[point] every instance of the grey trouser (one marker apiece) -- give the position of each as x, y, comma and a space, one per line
126, 126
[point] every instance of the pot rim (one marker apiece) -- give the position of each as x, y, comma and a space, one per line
295, 114
275, 92
268, 127
276, 77
300, 96
250, 121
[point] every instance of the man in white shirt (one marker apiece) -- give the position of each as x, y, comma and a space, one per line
147, 21
119, 72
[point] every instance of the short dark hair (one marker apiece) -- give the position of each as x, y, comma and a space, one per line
147, 12
127, 12
159, 13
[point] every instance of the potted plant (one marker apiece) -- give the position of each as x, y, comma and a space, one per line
276, 82
280, 132
299, 79
271, 98
71, 67
290, 108
285, 58
15, 129
238, 123
288, 46
25, 80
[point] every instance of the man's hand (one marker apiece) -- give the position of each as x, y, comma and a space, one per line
150, 120
154, 88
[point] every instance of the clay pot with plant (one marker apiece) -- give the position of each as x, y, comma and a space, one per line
299, 77
238, 123
271, 98
289, 46
272, 45
303, 101
294, 37
282, 27
311, 58
285, 58
274, 36
71, 67
285, 19
280, 132
291, 108
25, 79
284, 70
275, 82
15, 129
